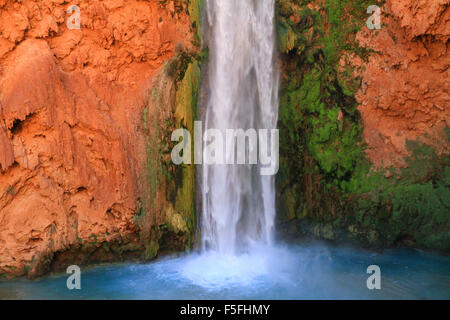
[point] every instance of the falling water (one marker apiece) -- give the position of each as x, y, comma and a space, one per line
238, 207
238, 203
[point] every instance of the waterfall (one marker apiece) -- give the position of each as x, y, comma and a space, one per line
238, 203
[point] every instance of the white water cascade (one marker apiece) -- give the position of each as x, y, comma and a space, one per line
238, 203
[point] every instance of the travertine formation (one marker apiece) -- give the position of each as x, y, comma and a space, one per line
405, 87
72, 148
71, 100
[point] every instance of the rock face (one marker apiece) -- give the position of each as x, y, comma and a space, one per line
364, 122
405, 88
72, 151
84, 174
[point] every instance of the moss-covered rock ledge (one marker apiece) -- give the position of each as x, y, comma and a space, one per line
167, 215
166, 218
326, 188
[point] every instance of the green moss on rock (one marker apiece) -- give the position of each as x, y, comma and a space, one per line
151, 250
168, 200
195, 10
325, 186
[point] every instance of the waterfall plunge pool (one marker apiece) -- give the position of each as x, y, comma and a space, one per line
280, 272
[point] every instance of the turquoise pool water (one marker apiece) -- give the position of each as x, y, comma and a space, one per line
282, 272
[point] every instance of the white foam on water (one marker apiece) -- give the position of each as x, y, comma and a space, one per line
262, 264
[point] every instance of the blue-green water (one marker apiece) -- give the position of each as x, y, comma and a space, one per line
283, 272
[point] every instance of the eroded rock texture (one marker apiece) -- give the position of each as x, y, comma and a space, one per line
363, 117
71, 101
405, 88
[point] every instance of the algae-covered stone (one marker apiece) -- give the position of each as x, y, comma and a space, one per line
151, 250
176, 221
325, 180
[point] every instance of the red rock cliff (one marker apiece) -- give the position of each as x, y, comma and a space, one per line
71, 103
405, 88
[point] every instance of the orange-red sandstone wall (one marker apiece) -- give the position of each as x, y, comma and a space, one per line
71, 101
405, 91
71, 147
